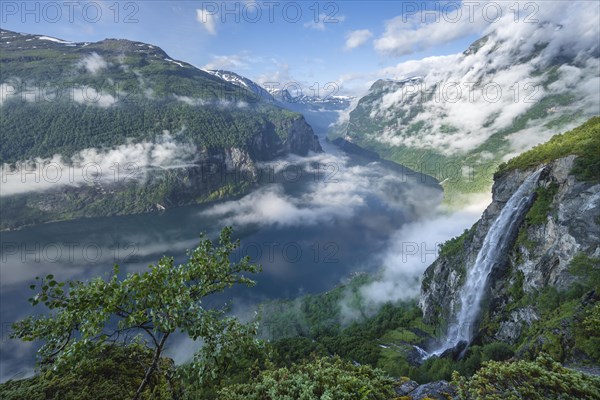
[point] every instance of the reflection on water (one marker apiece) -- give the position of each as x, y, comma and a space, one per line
308, 234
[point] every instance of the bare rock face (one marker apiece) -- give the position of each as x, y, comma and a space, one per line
539, 256
301, 138
513, 325
289, 136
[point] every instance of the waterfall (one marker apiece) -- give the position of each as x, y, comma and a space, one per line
494, 248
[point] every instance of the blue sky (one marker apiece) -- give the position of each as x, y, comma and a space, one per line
277, 45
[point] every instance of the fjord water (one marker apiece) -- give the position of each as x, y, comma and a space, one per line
493, 251
303, 248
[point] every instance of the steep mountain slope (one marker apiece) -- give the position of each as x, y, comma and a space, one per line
155, 131
243, 82
543, 293
319, 111
457, 117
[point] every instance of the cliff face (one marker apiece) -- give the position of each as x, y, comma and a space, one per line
562, 222
289, 136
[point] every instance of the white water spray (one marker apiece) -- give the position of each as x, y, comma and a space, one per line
493, 249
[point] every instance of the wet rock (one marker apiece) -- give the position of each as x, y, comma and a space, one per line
456, 352
406, 388
538, 258
440, 390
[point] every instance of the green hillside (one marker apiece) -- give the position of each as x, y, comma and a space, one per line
583, 142
61, 98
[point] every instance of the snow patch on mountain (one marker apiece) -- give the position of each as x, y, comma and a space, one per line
55, 40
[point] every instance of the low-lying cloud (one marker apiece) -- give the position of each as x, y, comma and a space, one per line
461, 100
96, 166
411, 250
93, 63
335, 189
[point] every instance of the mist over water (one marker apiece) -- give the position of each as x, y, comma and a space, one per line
309, 233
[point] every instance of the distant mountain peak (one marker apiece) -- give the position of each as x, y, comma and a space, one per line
282, 96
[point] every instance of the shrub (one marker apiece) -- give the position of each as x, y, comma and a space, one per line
533, 380
583, 141
112, 373
497, 351
321, 378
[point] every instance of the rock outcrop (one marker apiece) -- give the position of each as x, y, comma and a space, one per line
563, 221
439, 390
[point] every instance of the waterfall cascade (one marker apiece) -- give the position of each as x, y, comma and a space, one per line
493, 250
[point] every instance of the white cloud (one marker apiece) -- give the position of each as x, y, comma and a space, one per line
357, 38
93, 63
413, 248
228, 62
90, 96
277, 77
93, 166
323, 21
208, 20
192, 101
340, 196
409, 33
509, 62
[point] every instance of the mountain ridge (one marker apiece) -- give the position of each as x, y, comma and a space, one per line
115, 103
444, 118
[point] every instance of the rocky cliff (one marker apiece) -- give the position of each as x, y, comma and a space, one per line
545, 283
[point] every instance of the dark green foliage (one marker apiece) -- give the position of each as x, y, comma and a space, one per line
549, 300
587, 270
516, 289
59, 107
455, 246
583, 141
535, 380
289, 350
566, 329
311, 315
588, 332
453, 251
231, 354
168, 188
497, 351
436, 368
321, 378
357, 341
143, 308
538, 213
30, 130
112, 372
398, 327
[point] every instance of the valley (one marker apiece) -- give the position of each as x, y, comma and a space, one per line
214, 211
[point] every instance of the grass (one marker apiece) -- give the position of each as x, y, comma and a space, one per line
583, 141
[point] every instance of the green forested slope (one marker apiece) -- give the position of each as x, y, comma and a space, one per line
59, 98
